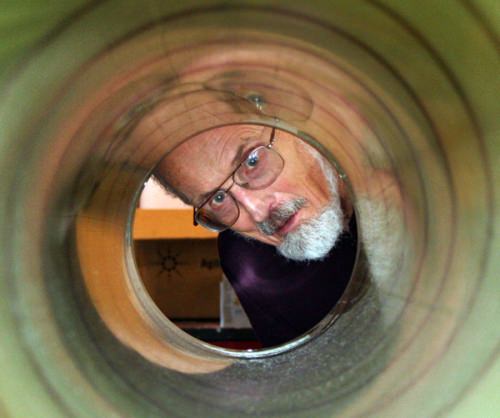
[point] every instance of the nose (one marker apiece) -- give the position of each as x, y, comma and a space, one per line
256, 203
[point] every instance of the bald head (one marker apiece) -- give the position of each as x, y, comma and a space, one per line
211, 156
202, 167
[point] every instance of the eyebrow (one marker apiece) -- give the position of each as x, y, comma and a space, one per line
237, 156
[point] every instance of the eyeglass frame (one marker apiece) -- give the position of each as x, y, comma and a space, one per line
218, 189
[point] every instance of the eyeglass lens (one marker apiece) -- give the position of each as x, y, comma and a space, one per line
218, 217
259, 170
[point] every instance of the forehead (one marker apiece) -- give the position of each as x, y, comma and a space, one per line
203, 162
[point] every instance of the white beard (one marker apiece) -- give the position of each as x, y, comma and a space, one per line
314, 239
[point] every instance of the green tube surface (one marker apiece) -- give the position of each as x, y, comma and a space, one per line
405, 88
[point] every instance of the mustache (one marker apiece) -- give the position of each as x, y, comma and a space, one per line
279, 216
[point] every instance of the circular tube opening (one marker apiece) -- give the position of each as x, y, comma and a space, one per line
292, 283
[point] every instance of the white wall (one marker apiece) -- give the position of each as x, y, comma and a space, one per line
155, 197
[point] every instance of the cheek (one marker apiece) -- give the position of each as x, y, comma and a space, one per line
244, 223
296, 187
297, 180
311, 184
288, 186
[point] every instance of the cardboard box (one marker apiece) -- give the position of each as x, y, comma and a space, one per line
182, 276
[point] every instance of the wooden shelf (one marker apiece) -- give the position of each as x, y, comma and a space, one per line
167, 224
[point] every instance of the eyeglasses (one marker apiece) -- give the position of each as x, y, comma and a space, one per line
258, 170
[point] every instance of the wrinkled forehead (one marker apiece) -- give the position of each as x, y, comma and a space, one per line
203, 162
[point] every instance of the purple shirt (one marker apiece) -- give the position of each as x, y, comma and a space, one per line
284, 298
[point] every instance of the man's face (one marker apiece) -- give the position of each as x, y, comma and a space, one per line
296, 207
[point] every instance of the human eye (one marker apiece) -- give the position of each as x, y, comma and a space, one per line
218, 199
252, 160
